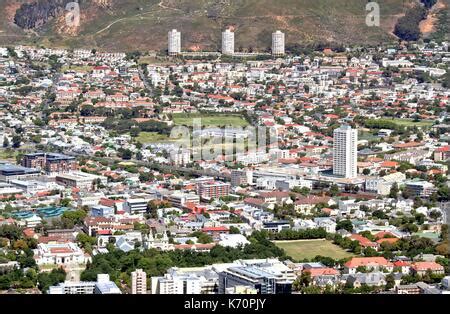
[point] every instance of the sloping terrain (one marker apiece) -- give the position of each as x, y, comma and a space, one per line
143, 24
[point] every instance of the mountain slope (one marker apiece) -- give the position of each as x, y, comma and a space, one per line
143, 24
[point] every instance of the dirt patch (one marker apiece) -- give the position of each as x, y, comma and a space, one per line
195, 47
428, 25
10, 10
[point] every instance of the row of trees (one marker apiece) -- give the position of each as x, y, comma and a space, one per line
120, 264
126, 125
290, 234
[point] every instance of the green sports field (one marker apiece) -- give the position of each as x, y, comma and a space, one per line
152, 137
301, 249
412, 123
210, 119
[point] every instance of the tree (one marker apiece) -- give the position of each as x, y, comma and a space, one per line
16, 141
5, 142
10, 232
379, 214
76, 217
234, 230
334, 190
202, 237
366, 171
435, 214
65, 202
407, 27
303, 281
85, 240
345, 224
20, 245
126, 154
134, 132
394, 191
50, 279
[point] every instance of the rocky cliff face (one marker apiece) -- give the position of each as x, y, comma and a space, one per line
36, 14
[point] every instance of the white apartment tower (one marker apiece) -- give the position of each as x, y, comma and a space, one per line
278, 43
228, 42
174, 42
345, 150
138, 282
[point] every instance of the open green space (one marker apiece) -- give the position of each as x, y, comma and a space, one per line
412, 123
8, 153
301, 249
77, 68
210, 119
362, 135
152, 137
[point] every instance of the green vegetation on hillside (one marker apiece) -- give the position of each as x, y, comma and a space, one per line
120, 26
407, 27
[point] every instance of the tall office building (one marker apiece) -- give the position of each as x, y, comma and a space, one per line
174, 37
345, 150
138, 282
278, 43
228, 42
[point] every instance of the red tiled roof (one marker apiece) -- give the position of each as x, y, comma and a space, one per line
443, 149
213, 229
401, 264
367, 261
423, 266
389, 240
362, 240
322, 271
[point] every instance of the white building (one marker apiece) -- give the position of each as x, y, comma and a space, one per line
228, 42
103, 285
278, 43
193, 280
138, 282
60, 254
136, 206
179, 199
174, 46
345, 151
81, 180
233, 240
33, 221
180, 157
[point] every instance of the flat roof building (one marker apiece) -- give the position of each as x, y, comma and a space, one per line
138, 282
10, 172
103, 285
80, 180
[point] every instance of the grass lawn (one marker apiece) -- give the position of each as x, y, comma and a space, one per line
301, 249
152, 137
77, 68
8, 153
366, 136
411, 123
210, 119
